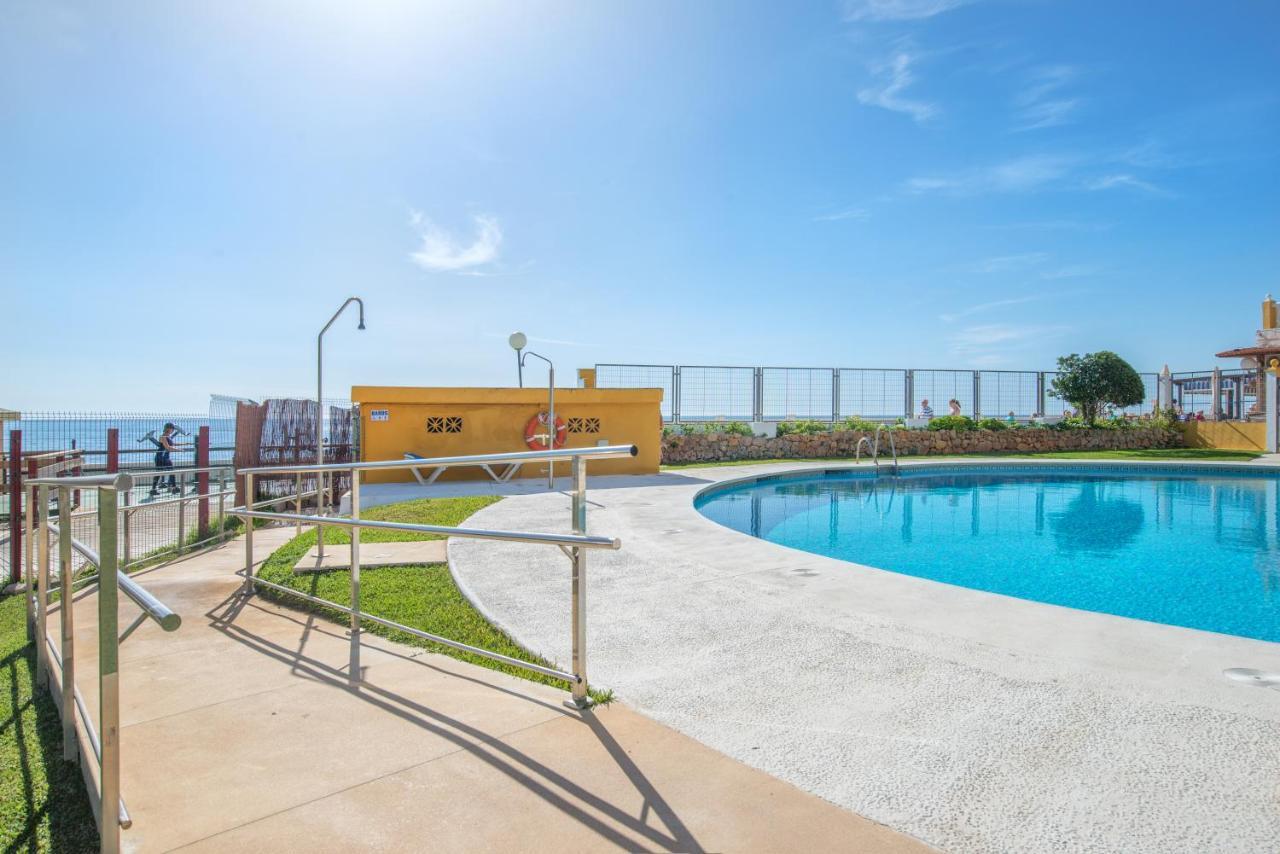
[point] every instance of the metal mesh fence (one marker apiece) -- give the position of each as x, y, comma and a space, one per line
86, 433
791, 393
1004, 392
640, 376
872, 393
1238, 392
940, 387
712, 393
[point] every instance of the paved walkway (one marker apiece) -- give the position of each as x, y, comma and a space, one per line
974, 721
242, 731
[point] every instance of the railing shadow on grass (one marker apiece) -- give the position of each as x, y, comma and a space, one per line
531, 774
64, 803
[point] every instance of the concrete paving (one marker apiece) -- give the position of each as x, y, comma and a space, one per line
974, 721
244, 730
373, 556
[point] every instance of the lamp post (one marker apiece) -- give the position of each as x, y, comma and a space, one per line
320, 478
518, 341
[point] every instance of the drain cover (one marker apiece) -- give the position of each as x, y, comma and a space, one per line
1250, 676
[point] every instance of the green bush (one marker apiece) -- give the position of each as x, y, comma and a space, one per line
992, 424
858, 424
732, 428
953, 422
801, 428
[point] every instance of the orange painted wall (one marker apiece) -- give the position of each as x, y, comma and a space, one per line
1228, 435
493, 421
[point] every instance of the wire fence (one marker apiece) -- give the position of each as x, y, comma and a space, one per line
740, 393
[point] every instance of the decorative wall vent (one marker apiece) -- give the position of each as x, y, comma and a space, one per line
444, 424
584, 425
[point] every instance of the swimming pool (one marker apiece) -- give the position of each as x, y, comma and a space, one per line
1185, 546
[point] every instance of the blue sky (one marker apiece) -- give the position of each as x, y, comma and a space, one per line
190, 189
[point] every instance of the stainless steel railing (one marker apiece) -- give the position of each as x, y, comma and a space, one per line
60, 657
574, 545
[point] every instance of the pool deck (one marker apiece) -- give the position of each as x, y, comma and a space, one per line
974, 721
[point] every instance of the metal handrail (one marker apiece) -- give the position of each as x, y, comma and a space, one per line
893, 446
103, 742
574, 546
513, 457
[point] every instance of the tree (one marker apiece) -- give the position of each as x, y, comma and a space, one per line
1094, 380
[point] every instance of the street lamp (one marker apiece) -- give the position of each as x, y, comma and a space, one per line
517, 342
320, 478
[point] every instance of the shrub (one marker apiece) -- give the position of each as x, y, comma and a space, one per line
859, 424
801, 428
952, 422
733, 428
992, 424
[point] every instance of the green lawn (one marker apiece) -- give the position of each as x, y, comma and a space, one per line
423, 597
43, 805
1138, 454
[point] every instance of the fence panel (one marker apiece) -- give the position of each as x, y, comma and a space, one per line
872, 393
938, 387
790, 393
710, 393
1150, 385
641, 376
1002, 392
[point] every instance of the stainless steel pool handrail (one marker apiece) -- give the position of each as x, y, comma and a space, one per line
104, 742
893, 446
574, 546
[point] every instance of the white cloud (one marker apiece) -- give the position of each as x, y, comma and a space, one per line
896, 77
1005, 263
442, 252
1071, 271
856, 214
1020, 175
993, 343
1042, 104
897, 10
988, 306
1125, 181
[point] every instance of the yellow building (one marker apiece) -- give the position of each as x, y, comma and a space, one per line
446, 422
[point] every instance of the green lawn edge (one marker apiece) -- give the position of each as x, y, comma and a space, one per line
1204, 454
422, 597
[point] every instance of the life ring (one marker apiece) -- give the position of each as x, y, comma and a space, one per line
535, 432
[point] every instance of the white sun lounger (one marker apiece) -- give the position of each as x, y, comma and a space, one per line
498, 477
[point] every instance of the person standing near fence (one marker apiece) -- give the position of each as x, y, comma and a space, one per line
165, 446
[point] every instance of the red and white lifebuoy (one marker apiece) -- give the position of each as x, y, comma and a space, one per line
535, 432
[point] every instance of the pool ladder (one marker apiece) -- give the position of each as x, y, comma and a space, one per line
874, 448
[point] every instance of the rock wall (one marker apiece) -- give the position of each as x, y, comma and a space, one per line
713, 447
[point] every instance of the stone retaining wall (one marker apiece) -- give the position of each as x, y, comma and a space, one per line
715, 447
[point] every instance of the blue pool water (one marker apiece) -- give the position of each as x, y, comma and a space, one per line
1200, 550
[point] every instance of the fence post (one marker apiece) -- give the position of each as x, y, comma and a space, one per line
977, 395
1040, 390
909, 392
113, 450
42, 590
579, 584
835, 395
108, 667
1215, 392
32, 521
353, 671
757, 394
675, 394
15, 502
66, 615
248, 535
202, 481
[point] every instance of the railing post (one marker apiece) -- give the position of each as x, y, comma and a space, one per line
66, 618
15, 501
675, 394
1040, 394
28, 553
222, 493
202, 482
126, 518
182, 511
108, 666
113, 450
909, 392
42, 591
248, 536
977, 395
354, 669
835, 395
579, 584
297, 503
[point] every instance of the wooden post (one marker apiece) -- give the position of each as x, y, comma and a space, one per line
113, 450
202, 481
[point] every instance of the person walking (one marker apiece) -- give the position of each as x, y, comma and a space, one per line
165, 446
954, 406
